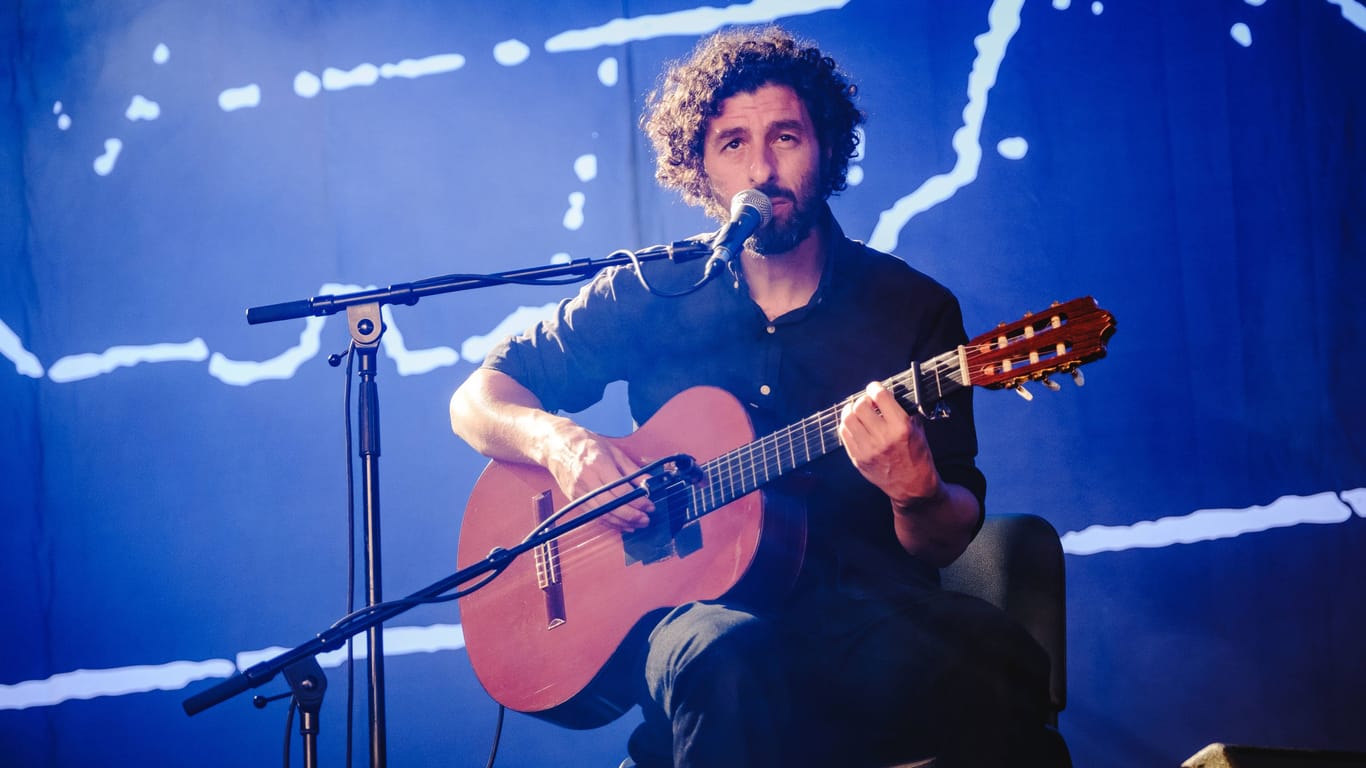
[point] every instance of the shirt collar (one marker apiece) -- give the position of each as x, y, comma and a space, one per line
833, 243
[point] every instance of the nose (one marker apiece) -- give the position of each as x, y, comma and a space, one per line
761, 166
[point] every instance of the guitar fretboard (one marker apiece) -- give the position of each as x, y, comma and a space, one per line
745, 469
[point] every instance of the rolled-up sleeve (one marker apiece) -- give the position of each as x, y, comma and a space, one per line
568, 360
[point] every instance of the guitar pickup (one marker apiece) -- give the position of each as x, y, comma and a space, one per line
666, 536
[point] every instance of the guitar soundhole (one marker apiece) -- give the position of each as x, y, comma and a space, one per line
667, 535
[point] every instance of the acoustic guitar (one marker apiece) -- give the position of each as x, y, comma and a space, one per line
555, 635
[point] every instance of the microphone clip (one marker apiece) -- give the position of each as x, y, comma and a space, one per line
750, 209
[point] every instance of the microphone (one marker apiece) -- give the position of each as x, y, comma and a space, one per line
749, 210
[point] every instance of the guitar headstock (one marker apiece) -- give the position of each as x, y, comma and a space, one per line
1058, 340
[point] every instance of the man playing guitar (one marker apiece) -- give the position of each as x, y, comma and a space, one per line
859, 658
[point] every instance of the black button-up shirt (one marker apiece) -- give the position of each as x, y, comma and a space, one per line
870, 318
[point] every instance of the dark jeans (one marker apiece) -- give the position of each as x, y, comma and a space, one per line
842, 679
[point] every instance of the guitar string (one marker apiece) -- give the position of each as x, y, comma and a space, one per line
736, 473
766, 454
726, 474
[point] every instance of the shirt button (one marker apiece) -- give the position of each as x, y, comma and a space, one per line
771, 329
765, 389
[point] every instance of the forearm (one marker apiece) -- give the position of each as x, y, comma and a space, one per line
503, 420
937, 528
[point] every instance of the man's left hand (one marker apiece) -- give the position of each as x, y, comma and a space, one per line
888, 447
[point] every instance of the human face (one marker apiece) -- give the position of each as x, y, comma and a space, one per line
764, 139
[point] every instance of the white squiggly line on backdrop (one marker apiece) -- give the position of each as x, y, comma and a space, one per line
1200, 526
1003, 22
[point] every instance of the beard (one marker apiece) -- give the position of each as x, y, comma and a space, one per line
782, 235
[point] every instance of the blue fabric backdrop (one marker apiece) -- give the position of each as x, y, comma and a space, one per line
173, 484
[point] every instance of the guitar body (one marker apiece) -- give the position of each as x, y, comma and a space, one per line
563, 646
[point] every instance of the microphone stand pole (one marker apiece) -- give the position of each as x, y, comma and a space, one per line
366, 326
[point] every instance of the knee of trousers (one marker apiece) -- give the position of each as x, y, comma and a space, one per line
726, 645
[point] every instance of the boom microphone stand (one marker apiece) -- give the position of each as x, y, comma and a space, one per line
300, 664
366, 326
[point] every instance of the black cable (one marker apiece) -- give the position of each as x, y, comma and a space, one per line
497, 736
648, 469
289, 726
409, 602
634, 256
350, 556
499, 279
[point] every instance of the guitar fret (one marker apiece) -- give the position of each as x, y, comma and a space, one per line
737, 470
722, 480
737, 477
732, 475
785, 440
727, 488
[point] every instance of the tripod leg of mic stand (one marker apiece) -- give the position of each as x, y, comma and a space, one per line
307, 682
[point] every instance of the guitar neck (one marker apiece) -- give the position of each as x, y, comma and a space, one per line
1060, 339
745, 469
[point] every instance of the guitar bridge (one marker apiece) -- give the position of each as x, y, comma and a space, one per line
547, 556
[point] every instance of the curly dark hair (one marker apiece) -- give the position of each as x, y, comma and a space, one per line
741, 60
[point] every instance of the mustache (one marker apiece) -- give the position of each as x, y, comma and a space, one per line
774, 192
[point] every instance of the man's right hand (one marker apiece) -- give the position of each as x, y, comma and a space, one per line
582, 461
501, 419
